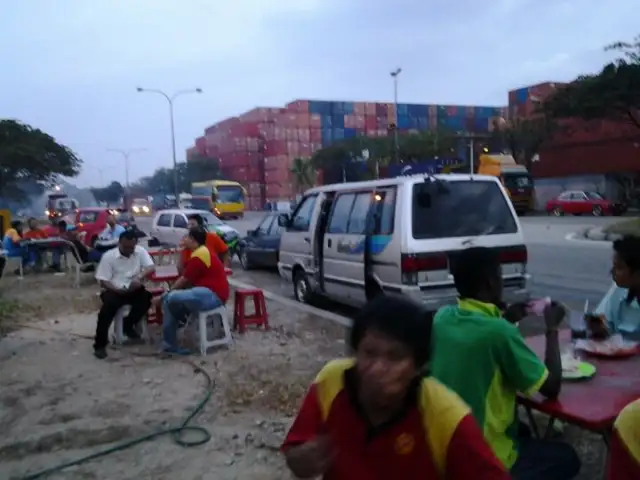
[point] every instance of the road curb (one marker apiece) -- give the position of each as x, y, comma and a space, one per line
339, 319
573, 237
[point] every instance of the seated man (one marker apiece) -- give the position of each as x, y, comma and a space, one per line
375, 417
619, 310
214, 243
107, 239
624, 450
34, 232
482, 357
82, 251
120, 273
202, 286
12, 247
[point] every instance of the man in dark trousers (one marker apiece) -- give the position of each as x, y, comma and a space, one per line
120, 273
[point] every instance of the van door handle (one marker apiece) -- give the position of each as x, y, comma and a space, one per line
307, 239
329, 242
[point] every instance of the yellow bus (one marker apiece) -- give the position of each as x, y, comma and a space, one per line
226, 198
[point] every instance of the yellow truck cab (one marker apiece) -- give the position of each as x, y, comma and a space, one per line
516, 179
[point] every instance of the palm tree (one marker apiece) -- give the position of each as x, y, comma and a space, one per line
303, 173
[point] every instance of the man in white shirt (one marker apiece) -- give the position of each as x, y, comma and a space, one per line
120, 273
107, 239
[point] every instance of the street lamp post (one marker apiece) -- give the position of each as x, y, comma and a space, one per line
394, 75
170, 99
126, 154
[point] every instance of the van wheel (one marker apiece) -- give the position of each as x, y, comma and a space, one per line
557, 212
301, 287
597, 211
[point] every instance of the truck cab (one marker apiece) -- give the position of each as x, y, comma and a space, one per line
515, 178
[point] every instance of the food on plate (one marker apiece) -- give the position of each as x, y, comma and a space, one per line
611, 346
570, 364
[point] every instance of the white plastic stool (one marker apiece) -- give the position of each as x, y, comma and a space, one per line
203, 319
118, 322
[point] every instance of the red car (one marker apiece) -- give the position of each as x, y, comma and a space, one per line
578, 202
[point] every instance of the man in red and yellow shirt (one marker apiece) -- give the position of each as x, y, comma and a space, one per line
213, 242
624, 453
374, 418
202, 286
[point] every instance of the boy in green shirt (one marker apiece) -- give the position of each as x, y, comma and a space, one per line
480, 354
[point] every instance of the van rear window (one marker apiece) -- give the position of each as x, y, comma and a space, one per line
462, 209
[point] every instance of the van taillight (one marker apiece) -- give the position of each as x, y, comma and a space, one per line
413, 263
517, 254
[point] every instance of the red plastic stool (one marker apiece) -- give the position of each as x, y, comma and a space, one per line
240, 319
154, 315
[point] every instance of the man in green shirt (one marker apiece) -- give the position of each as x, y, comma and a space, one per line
480, 354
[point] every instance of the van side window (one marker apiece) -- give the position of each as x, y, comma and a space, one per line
179, 221
302, 218
359, 213
340, 215
386, 211
164, 220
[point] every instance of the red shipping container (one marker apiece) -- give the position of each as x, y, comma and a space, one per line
370, 123
200, 144
298, 106
391, 111
359, 108
433, 111
278, 192
381, 110
305, 149
471, 112
304, 121
210, 130
260, 115
287, 120
315, 121
245, 129
253, 144
315, 135
253, 189
383, 132
267, 130
292, 134
279, 133
360, 123
280, 162
304, 135
349, 121
382, 122
293, 148
452, 111
275, 147
277, 176
433, 123
370, 109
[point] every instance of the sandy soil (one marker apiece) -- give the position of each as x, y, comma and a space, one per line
58, 403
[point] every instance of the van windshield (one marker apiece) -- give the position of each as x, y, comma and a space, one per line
467, 208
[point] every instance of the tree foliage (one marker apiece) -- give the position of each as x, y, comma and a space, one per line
109, 194
303, 173
523, 138
29, 155
611, 94
380, 152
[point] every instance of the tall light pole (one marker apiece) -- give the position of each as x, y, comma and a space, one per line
394, 75
170, 99
126, 154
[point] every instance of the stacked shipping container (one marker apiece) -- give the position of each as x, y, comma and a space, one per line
257, 148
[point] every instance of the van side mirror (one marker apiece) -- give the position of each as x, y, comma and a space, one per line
284, 220
252, 233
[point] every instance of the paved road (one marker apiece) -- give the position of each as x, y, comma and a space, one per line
567, 270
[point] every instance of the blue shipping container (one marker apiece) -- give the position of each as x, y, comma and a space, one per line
404, 122
337, 121
522, 95
338, 133
320, 108
327, 136
326, 122
413, 121
348, 108
453, 123
480, 125
337, 108
418, 111
485, 112
403, 110
423, 123
350, 133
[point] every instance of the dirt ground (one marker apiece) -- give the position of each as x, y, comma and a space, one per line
58, 403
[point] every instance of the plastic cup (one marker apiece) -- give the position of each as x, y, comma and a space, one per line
578, 325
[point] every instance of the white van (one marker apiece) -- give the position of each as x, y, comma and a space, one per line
399, 236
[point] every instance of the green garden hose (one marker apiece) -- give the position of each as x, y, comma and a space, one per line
176, 433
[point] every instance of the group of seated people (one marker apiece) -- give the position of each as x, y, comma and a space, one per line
435, 396
202, 286
14, 244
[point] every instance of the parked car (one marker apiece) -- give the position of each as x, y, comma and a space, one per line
579, 202
261, 246
400, 236
170, 226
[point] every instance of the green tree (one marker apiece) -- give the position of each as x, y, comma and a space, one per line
612, 94
303, 173
109, 194
29, 155
523, 138
200, 169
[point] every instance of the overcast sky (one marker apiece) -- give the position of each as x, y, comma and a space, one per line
71, 67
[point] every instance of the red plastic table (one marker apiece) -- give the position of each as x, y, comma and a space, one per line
169, 273
591, 404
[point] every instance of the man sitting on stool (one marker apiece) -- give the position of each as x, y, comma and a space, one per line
203, 286
120, 273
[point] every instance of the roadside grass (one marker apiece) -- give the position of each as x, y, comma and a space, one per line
8, 309
625, 227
